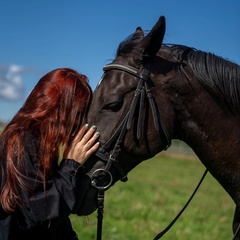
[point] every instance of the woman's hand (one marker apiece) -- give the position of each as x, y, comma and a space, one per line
83, 145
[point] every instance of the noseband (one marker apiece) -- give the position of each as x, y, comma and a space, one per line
141, 91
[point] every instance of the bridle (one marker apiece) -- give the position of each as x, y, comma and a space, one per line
142, 90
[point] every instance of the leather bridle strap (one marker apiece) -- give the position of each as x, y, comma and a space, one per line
118, 136
143, 75
113, 158
142, 89
156, 118
133, 71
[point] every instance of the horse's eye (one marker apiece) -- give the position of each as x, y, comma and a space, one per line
114, 106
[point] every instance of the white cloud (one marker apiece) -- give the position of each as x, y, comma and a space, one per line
11, 84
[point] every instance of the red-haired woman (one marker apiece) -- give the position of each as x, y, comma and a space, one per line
42, 152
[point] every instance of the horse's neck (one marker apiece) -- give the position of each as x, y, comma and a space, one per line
215, 138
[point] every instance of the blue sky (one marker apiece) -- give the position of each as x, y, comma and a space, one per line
38, 36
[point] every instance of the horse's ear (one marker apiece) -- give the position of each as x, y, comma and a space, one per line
138, 33
152, 42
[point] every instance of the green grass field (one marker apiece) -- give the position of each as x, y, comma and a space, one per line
154, 194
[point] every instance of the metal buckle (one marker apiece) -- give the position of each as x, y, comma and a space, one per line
96, 175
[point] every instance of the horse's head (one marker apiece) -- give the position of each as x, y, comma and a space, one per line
124, 105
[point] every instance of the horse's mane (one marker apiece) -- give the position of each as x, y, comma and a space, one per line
220, 77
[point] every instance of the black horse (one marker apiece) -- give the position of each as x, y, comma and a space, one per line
152, 93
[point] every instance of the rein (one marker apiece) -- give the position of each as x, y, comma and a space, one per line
111, 159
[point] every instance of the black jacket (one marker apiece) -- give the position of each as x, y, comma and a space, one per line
44, 214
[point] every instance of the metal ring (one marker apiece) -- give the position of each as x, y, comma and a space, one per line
104, 172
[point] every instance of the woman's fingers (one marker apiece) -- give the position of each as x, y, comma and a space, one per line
91, 150
84, 144
85, 133
89, 139
81, 133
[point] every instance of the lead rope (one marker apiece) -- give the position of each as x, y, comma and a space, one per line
159, 235
100, 199
101, 191
236, 233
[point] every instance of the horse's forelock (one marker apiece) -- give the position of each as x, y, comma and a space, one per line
129, 44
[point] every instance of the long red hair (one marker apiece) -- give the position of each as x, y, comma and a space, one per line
53, 112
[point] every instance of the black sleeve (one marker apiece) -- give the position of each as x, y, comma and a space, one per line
55, 203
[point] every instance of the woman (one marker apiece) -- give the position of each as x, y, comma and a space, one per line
38, 189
